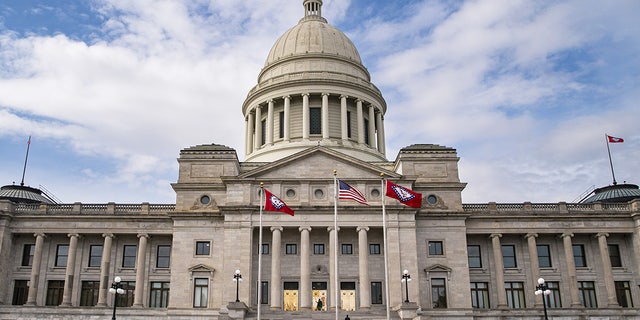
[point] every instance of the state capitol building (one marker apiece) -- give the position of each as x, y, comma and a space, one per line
314, 110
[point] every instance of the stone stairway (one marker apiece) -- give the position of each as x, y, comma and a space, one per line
326, 315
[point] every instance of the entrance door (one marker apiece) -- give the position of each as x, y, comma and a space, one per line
290, 298
348, 296
319, 296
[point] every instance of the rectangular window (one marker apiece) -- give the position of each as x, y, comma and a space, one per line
291, 248
159, 295
200, 292
544, 256
263, 138
623, 293
347, 248
480, 295
315, 121
55, 289
95, 255
264, 293
438, 293
579, 256
374, 248
614, 256
62, 253
515, 295
348, 124
318, 248
509, 256
203, 248
27, 255
473, 254
265, 248
20, 292
435, 248
281, 129
126, 299
587, 292
89, 293
366, 131
129, 256
376, 292
553, 299
163, 257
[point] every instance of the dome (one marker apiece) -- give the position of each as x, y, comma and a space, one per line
615, 193
23, 194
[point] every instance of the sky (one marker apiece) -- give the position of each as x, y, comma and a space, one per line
110, 91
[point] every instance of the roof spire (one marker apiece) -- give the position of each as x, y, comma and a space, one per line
312, 8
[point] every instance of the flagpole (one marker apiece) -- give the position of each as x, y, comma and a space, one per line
606, 137
260, 250
24, 170
335, 239
384, 235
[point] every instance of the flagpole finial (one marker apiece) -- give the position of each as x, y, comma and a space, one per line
261, 184
335, 172
382, 175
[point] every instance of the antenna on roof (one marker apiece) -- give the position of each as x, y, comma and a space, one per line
24, 170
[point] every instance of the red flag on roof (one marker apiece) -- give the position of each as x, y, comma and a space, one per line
406, 196
614, 139
273, 203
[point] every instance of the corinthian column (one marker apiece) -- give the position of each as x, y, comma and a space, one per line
287, 115
257, 139
305, 116
535, 264
497, 261
269, 126
325, 116
35, 270
276, 243
609, 283
305, 269
571, 269
105, 264
70, 270
372, 126
363, 267
141, 267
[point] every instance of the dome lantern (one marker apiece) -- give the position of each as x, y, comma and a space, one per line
313, 9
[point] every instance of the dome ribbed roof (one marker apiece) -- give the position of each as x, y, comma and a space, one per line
615, 193
23, 194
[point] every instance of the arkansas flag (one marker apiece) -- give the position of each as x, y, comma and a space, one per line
273, 203
406, 196
614, 139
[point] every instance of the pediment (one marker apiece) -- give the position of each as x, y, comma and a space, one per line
437, 268
201, 268
318, 163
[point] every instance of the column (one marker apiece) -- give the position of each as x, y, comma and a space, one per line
250, 127
70, 270
535, 265
360, 120
287, 115
499, 266
140, 269
35, 270
333, 277
380, 126
609, 283
305, 269
635, 238
257, 138
305, 116
276, 246
363, 267
372, 127
270, 121
325, 116
105, 264
571, 269
343, 118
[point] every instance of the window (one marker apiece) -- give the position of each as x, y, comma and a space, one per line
89, 293
614, 256
129, 256
376, 292
366, 131
126, 299
281, 128
553, 299
20, 292
473, 254
348, 124
318, 248
578, 256
163, 257
62, 253
159, 295
374, 248
438, 293
480, 295
27, 255
55, 289
435, 248
263, 137
515, 295
265, 248
509, 256
200, 292
623, 294
264, 293
95, 255
347, 248
544, 256
291, 248
587, 292
315, 120
203, 248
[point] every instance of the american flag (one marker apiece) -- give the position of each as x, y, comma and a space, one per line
348, 192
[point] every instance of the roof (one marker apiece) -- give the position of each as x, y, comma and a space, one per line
23, 194
615, 193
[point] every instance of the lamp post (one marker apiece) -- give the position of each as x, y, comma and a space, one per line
406, 278
237, 278
116, 289
543, 289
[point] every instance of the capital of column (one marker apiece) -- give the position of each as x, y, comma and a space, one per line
358, 229
141, 235
73, 235
270, 101
40, 234
276, 229
305, 94
564, 235
602, 234
344, 96
108, 235
325, 94
332, 228
495, 235
358, 100
530, 235
286, 97
304, 228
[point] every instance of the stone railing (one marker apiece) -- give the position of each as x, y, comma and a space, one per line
95, 209
561, 207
